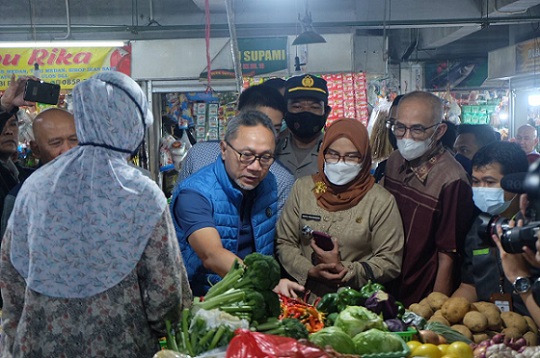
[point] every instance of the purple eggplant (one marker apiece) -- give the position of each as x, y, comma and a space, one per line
395, 325
382, 302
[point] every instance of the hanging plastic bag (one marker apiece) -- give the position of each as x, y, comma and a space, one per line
255, 344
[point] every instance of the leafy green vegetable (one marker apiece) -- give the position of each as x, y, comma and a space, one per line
355, 319
245, 291
448, 333
287, 327
334, 337
377, 341
212, 329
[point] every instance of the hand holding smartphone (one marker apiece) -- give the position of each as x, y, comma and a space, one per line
322, 239
42, 92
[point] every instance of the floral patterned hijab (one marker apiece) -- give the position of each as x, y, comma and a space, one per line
81, 223
335, 198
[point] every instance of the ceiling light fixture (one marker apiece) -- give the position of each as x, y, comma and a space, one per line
34, 44
308, 35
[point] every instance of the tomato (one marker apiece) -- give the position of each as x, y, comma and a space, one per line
460, 349
413, 345
443, 348
428, 350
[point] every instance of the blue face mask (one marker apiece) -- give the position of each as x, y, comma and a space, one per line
490, 200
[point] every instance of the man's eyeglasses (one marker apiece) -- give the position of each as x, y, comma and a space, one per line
247, 158
333, 157
417, 131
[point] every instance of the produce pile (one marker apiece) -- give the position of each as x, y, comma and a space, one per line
242, 299
478, 321
242, 311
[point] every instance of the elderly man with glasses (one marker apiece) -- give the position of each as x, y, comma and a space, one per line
228, 209
434, 197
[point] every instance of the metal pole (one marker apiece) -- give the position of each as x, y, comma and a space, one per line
234, 45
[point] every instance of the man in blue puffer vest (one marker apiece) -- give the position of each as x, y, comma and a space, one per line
228, 209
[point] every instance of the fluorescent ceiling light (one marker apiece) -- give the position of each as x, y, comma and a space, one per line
534, 100
33, 44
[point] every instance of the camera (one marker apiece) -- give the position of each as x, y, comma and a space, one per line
513, 239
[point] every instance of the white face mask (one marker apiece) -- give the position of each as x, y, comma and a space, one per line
490, 200
341, 173
411, 149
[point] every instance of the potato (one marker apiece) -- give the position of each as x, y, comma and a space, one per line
531, 338
439, 319
436, 300
438, 313
463, 330
421, 310
479, 337
492, 313
532, 326
515, 320
475, 321
455, 308
511, 332
424, 302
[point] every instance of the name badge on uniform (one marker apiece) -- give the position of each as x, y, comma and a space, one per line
503, 301
311, 217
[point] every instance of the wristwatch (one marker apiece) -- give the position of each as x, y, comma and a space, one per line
522, 284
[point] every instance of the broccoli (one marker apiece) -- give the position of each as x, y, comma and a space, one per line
262, 274
245, 291
288, 327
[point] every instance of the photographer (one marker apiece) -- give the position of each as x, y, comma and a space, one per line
518, 266
482, 273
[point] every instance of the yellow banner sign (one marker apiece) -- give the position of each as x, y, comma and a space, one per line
63, 66
528, 56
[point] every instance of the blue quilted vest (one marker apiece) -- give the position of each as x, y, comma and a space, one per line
213, 183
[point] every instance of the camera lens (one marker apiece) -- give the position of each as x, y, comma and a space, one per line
514, 239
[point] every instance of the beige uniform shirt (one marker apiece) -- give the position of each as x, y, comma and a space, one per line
286, 155
370, 236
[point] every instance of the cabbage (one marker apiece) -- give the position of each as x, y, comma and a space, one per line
377, 341
355, 319
334, 337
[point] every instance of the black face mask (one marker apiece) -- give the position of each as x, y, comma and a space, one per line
305, 125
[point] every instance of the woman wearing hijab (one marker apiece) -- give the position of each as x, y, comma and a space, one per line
342, 200
90, 264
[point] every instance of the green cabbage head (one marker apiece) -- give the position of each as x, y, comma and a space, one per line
377, 341
334, 337
355, 319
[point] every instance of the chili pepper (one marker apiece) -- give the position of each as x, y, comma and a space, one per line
328, 303
348, 297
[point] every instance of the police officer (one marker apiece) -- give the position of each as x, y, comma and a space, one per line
307, 111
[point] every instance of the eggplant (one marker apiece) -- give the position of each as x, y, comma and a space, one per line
395, 325
382, 302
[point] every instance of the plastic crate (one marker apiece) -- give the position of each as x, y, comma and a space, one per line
407, 335
405, 352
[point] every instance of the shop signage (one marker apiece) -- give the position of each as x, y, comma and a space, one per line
63, 66
528, 56
258, 56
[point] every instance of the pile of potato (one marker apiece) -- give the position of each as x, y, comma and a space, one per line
478, 321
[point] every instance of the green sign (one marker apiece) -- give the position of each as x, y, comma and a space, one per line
262, 55
258, 56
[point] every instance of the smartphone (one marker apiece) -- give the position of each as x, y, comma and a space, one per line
323, 240
42, 92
